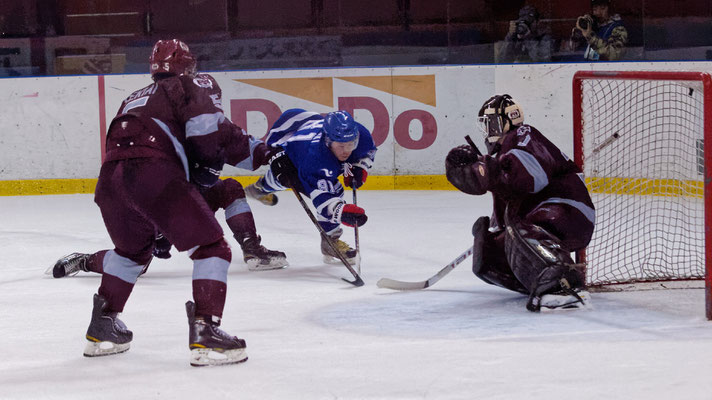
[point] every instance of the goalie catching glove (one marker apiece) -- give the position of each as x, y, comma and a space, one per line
350, 215
470, 173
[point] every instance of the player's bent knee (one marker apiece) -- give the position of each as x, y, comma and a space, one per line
219, 249
234, 190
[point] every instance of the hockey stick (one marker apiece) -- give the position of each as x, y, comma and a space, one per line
356, 282
469, 141
401, 285
358, 249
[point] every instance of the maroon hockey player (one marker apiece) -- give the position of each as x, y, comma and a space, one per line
167, 140
542, 209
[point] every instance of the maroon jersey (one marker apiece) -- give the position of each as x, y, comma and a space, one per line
181, 118
533, 172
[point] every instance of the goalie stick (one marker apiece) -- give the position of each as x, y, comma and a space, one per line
357, 281
472, 144
401, 285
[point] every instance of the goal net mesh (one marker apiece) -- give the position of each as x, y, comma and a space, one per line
643, 163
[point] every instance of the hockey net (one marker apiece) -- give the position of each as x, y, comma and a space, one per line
640, 138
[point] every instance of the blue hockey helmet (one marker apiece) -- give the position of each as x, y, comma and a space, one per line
340, 126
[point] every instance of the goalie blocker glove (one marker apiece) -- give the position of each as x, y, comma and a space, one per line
350, 215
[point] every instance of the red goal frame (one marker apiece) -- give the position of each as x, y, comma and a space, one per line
706, 81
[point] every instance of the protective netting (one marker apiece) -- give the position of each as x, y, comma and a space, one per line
643, 163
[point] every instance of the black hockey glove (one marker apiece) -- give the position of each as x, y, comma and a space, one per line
352, 215
460, 156
475, 178
284, 170
205, 175
162, 247
356, 178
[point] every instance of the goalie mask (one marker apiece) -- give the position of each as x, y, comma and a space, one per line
497, 116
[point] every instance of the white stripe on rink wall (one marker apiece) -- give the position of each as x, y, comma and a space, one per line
49, 127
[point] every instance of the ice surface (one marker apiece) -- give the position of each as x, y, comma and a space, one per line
312, 336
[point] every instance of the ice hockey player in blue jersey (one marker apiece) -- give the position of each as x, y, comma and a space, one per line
316, 150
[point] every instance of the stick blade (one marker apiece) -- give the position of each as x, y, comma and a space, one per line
358, 282
393, 284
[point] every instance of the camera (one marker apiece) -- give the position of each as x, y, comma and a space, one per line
584, 22
522, 27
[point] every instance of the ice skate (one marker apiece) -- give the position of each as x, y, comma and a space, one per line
565, 301
106, 334
209, 345
259, 258
331, 258
257, 192
69, 265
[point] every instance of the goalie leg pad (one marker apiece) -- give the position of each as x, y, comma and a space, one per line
488, 261
540, 263
479, 231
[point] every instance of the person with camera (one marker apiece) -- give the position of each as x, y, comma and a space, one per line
527, 40
603, 35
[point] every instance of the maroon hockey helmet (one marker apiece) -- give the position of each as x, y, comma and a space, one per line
171, 57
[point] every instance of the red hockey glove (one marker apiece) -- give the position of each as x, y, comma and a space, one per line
353, 215
356, 178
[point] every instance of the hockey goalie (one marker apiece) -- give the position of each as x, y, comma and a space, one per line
542, 209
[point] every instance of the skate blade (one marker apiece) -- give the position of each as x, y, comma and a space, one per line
210, 357
556, 303
99, 349
276, 263
50, 271
337, 261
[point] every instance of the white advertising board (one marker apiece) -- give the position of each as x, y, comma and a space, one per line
52, 127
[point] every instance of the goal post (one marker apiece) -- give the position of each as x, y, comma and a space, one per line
644, 142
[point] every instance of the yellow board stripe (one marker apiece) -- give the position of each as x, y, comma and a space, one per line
46, 186
631, 186
70, 186
649, 187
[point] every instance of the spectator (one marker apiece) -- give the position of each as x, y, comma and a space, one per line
527, 40
603, 35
